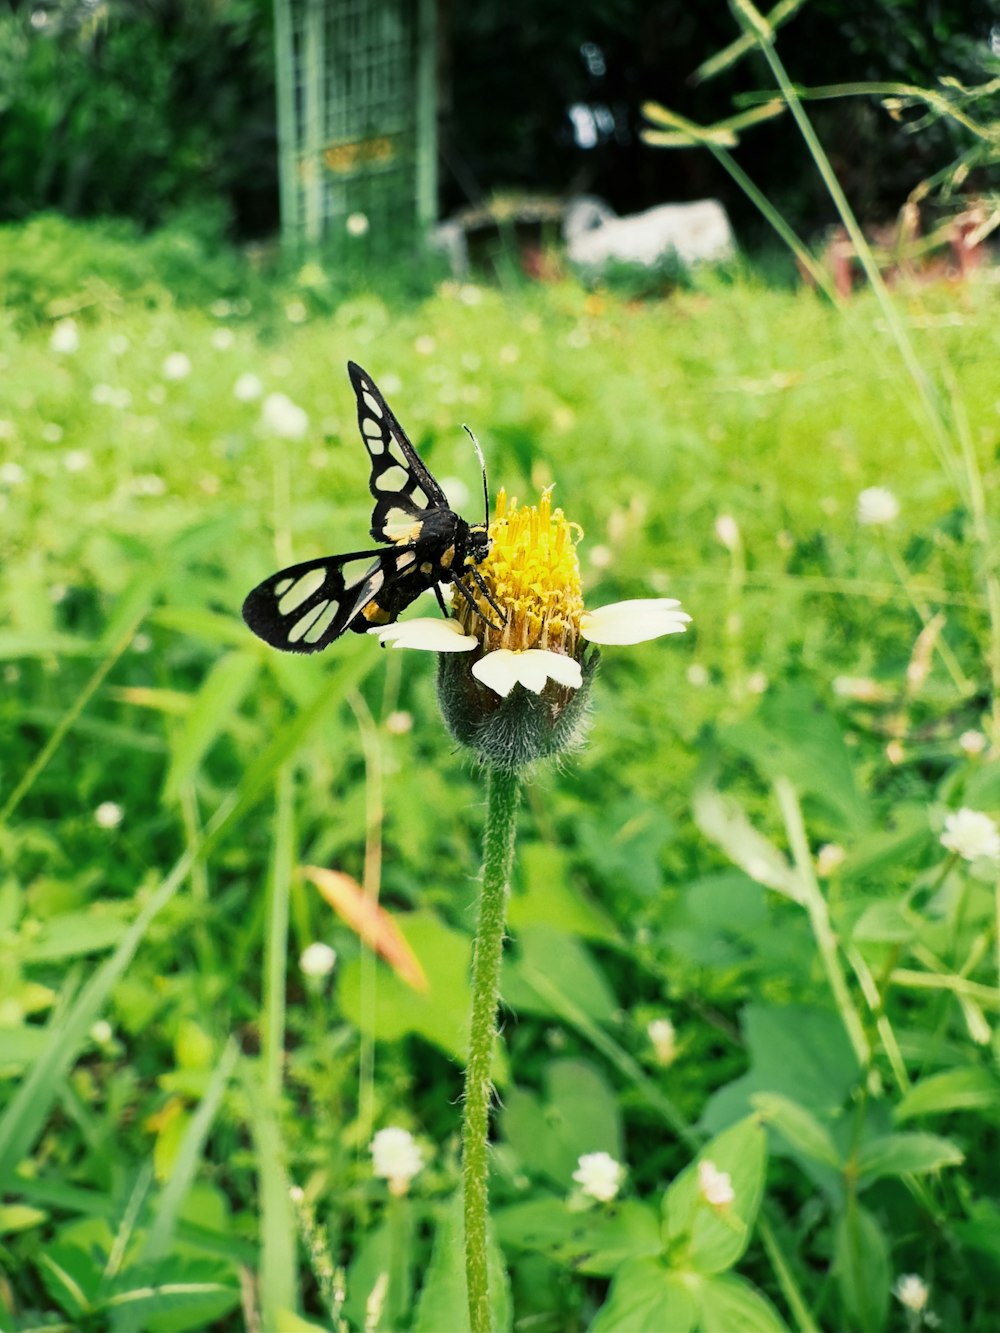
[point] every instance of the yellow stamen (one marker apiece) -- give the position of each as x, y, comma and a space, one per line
533, 573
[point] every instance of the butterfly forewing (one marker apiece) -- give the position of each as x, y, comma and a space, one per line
303, 608
306, 607
403, 488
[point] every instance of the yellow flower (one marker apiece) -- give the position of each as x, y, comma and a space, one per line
539, 643
533, 573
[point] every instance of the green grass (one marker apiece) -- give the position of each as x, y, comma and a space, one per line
665, 871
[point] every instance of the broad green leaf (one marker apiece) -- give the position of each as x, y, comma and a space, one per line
645, 1297
706, 1239
905, 1154
594, 1240
219, 697
551, 898
903, 834
172, 1306
968, 1089
793, 735
21, 1045
547, 960
800, 1128
443, 1301
723, 820
19, 1217
100, 927
797, 1051
579, 1114
861, 1264
883, 923
728, 1302
441, 1013
70, 1276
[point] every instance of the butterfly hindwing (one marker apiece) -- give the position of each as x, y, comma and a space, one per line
305, 607
403, 488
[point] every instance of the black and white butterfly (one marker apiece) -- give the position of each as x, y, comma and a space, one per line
305, 607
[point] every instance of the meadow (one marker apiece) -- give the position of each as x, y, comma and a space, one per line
736, 936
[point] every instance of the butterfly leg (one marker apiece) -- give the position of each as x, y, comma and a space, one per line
472, 602
438, 594
481, 585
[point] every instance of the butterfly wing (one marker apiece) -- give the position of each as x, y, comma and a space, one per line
403, 488
303, 608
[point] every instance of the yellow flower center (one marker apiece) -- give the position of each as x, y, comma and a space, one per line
533, 574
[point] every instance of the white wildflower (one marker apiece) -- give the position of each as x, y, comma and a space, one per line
396, 1157
971, 835
599, 1175
318, 959
876, 506
715, 1186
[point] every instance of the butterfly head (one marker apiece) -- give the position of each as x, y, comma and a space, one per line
478, 543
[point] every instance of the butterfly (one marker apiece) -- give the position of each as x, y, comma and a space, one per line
305, 607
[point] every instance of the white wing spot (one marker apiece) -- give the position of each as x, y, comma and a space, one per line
324, 622
372, 405
404, 560
392, 479
300, 628
398, 525
419, 498
282, 586
302, 589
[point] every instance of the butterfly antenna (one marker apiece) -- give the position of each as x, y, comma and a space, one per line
482, 464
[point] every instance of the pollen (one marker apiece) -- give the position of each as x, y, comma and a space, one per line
532, 573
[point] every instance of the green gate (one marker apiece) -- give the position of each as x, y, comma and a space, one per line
357, 120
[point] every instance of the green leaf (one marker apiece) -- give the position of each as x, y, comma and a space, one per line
883, 923
729, 1302
547, 959
74, 933
646, 1298
550, 898
905, 1154
800, 1052
220, 696
173, 1307
597, 1240
904, 833
861, 1264
70, 1277
578, 1115
712, 1240
443, 1301
440, 1014
799, 1127
970, 1089
793, 735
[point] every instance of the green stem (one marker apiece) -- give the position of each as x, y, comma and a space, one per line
819, 920
502, 794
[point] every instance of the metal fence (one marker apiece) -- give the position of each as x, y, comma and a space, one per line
357, 119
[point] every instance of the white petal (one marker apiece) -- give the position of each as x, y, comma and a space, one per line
635, 621
502, 670
430, 633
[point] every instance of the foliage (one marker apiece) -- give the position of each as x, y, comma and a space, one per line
166, 1076
142, 110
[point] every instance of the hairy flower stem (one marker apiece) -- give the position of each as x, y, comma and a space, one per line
502, 794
